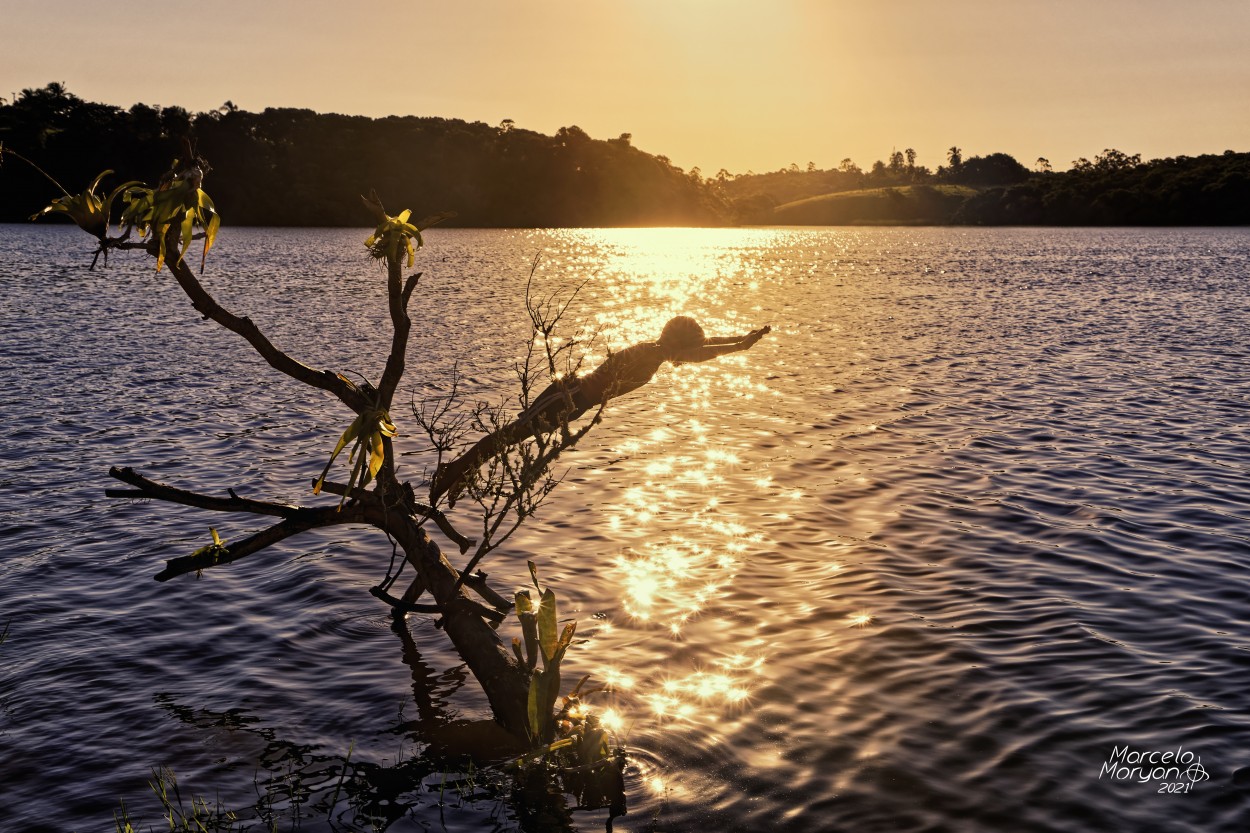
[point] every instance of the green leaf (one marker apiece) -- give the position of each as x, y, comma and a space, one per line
85, 209
107, 208
377, 454
208, 210
534, 707
544, 688
95, 182
566, 638
529, 629
188, 225
350, 434
357, 471
547, 626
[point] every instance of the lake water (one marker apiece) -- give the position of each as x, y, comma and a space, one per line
971, 522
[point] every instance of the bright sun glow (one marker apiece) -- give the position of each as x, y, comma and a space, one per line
860, 619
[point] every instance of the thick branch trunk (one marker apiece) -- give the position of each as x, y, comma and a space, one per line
399, 341
504, 680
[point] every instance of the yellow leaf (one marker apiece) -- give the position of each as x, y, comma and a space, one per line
378, 456
188, 229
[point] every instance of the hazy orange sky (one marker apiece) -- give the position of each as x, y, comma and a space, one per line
712, 83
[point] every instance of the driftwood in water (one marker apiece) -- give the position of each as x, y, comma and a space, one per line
388, 505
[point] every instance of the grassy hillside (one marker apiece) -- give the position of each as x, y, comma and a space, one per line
908, 204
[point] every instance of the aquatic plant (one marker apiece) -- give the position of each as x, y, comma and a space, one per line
173, 210
194, 815
368, 434
166, 214
538, 627
89, 212
391, 232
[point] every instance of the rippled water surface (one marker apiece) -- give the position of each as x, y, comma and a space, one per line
974, 515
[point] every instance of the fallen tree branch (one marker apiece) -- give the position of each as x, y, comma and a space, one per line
215, 557
147, 488
477, 583
419, 509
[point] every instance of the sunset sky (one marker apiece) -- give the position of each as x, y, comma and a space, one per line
709, 83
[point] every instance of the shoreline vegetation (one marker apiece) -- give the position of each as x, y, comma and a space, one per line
296, 167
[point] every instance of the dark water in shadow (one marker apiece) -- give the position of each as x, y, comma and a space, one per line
974, 515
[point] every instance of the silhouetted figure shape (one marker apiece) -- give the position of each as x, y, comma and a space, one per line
564, 400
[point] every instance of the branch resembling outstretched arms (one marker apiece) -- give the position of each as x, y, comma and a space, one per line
721, 345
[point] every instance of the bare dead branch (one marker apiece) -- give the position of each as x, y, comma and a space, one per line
401, 325
420, 510
477, 583
196, 562
517, 478
411, 284
146, 488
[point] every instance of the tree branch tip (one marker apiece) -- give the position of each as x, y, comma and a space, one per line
374, 204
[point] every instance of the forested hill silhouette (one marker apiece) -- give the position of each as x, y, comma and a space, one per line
1115, 188
301, 168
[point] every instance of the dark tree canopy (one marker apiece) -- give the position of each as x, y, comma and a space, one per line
296, 167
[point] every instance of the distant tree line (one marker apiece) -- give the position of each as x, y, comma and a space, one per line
301, 168
1119, 189
1115, 188
297, 167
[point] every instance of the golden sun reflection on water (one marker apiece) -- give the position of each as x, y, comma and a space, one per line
688, 498
688, 549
